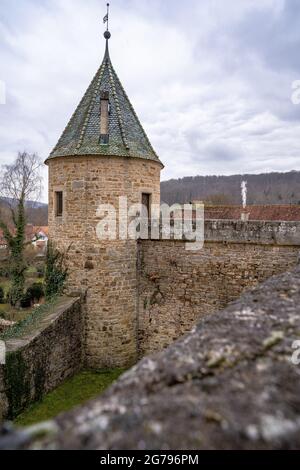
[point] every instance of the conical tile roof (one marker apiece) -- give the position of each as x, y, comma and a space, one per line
126, 135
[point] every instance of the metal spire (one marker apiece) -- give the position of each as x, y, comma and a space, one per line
107, 15
107, 34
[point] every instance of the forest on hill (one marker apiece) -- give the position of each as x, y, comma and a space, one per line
267, 188
36, 213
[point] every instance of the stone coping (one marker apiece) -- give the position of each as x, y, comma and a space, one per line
40, 324
251, 232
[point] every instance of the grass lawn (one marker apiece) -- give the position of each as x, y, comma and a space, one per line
5, 283
75, 391
12, 314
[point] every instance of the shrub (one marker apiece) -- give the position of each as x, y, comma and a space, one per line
36, 292
56, 273
26, 300
7, 298
4, 271
40, 271
2, 295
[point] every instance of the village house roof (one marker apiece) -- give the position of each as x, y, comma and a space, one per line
30, 233
127, 137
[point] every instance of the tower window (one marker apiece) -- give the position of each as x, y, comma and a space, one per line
104, 118
146, 199
59, 203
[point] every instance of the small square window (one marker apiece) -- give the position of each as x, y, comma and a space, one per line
59, 203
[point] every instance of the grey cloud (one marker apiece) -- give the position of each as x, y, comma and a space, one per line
274, 37
220, 152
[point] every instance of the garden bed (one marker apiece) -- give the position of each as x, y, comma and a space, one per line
7, 312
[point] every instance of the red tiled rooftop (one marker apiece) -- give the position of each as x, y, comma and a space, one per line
30, 232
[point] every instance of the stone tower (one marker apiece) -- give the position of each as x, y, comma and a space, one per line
103, 153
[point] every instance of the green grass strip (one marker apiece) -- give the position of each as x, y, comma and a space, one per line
73, 392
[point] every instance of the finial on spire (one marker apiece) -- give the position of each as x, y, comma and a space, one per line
107, 34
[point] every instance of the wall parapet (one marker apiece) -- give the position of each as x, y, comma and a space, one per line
258, 232
42, 356
236, 231
177, 286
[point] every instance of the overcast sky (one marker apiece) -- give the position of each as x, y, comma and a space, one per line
211, 80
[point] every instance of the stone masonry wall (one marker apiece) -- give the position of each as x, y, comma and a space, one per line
177, 287
42, 357
106, 269
229, 384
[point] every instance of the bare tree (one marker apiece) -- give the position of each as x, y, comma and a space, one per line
19, 183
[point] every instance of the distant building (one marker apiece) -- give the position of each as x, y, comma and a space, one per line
40, 239
37, 235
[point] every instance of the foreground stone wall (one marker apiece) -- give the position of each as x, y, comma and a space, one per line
42, 357
229, 384
177, 287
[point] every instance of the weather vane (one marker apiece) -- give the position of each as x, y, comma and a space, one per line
106, 17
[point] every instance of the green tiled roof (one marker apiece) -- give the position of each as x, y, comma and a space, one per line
126, 135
